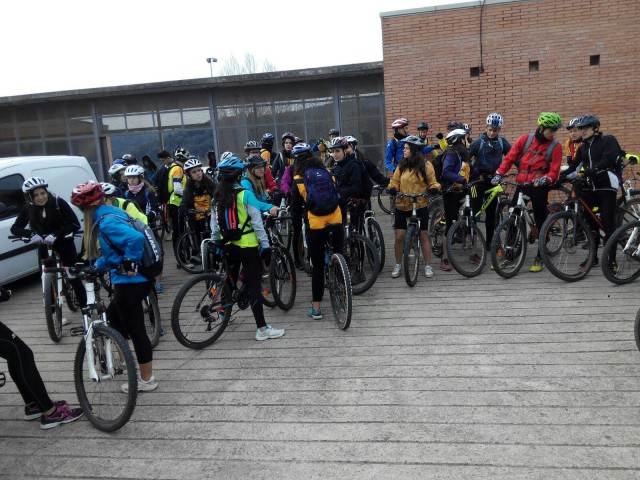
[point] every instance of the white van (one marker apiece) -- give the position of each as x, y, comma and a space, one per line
62, 173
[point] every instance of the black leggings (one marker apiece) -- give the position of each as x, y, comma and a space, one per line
23, 369
316, 240
539, 203
126, 315
249, 259
296, 220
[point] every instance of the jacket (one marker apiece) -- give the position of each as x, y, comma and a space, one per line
488, 153
124, 237
393, 154
455, 171
198, 196
532, 165
411, 181
570, 149
261, 203
348, 173
281, 161
259, 234
176, 183
599, 152
146, 200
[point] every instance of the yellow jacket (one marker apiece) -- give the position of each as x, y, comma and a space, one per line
411, 181
317, 222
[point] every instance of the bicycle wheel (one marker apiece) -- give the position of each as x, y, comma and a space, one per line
188, 254
362, 259
621, 255
508, 248
411, 255
285, 232
387, 202
628, 212
437, 227
52, 308
561, 246
282, 274
102, 401
70, 298
340, 291
636, 330
152, 320
466, 248
303, 255
265, 288
201, 311
373, 232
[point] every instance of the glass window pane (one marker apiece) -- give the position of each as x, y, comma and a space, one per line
231, 139
11, 195
57, 147
26, 114
86, 147
170, 119
319, 110
139, 121
54, 128
230, 116
196, 117
28, 131
113, 123
80, 125
7, 132
79, 109
31, 148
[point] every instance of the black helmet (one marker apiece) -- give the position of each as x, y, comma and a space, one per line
334, 131
251, 145
290, 136
423, 126
255, 161
588, 120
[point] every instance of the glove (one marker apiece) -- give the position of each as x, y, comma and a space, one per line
35, 238
633, 158
49, 239
496, 179
392, 191
572, 175
433, 191
128, 266
589, 172
439, 136
538, 182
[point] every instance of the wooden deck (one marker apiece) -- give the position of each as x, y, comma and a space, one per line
454, 379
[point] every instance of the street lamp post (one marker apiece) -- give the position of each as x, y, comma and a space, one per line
211, 61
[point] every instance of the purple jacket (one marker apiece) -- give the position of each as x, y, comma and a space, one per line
286, 180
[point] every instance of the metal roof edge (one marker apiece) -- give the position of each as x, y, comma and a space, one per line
448, 6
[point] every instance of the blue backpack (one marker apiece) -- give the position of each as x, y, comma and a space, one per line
322, 195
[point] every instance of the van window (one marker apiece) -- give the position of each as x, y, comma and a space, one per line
11, 194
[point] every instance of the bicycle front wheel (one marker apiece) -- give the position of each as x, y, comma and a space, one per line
628, 212
636, 330
282, 274
285, 231
340, 291
621, 255
387, 202
363, 262
152, 321
103, 401
188, 254
52, 307
466, 248
373, 232
411, 255
508, 248
201, 310
567, 246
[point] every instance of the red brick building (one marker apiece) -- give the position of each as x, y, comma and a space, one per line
518, 58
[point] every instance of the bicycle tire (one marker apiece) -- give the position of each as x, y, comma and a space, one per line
373, 232
561, 246
437, 227
201, 310
636, 330
303, 256
152, 318
623, 248
103, 402
69, 295
508, 248
340, 291
186, 252
388, 205
627, 212
362, 259
411, 255
285, 231
52, 309
282, 272
466, 249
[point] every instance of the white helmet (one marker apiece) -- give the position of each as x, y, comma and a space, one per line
454, 136
134, 171
192, 163
32, 183
225, 155
115, 168
495, 120
108, 189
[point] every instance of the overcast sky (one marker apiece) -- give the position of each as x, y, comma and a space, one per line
51, 46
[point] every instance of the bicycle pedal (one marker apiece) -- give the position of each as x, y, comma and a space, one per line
76, 331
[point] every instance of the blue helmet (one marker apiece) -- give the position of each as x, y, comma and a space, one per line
301, 150
230, 168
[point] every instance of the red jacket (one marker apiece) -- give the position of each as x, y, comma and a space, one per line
533, 164
268, 180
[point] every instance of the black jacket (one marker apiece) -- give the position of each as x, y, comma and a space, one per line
348, 173
55, 218
600, 153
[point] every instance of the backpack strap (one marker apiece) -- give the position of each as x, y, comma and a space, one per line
547, 154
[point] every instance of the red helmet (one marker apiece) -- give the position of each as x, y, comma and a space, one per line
400, 123
87, 194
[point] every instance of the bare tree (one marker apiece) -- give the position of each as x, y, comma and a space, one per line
267, 66
232, 66
249, 64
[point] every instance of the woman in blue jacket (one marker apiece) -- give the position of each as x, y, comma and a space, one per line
109, 227
253, 180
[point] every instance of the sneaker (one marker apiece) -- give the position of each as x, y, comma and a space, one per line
297, 265
64, 321
397, 268
169, 236
32, 412
428, 271
161, 331
268, 333
159, 287
537, 266
62, 414
475, 259
315, 314
143, 386
445, 265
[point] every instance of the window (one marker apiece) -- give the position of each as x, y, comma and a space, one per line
474, 71
11, 195
534, 66
594, 60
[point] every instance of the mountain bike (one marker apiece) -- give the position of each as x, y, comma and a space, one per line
282, 272
412, 252
360, 253
621, 254
373, 232
103, 360
188, 245
386, 202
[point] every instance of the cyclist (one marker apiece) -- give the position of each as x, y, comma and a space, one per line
318, 230
284, 157
176, 180
453, 125
372, 171
393, 152
253, 148
300, 152
457, 170
116, 174
574, 141
253, 244
533, 167
597, 159
211, 158
141, 192
487, 151
50, 220
333, 133
254, 181
413, 175
266, 150
110, 198
106, 227
129, 159
150, 169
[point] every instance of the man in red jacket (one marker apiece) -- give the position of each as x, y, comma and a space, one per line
538, 157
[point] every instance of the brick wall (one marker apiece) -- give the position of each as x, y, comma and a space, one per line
428, 56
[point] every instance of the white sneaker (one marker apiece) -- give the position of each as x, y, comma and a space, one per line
143, 386
268, 333
397, 268
64, 321
428, 271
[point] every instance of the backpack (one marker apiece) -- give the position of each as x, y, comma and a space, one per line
322, 195
227, 219
367, 183
152, 254
438, 164
483, 163
547, 154
162, 186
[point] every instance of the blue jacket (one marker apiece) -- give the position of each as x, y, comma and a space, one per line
123, 236
393, 154
260, 203
488, 153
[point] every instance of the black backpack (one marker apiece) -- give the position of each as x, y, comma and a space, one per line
367, 183
162, 185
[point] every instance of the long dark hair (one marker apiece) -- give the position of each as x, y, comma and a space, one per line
461, 149
227, 191
416, 160
35, 212
301, 165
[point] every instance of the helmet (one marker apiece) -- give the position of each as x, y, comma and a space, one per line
191, 163
456, 135
353, 141
181, 154
588, 120
334, 131
251, 145
414, 140
108, 189
230, 168
129, 159
254, 161
87, 194
339, 142
116, 168
301, 150
225, 156
573, 123
134, 171
550, 120
455, 125
423, 126
467, 127
400, 123
495, 120
119, 161
30, 184
289, 135
267, 138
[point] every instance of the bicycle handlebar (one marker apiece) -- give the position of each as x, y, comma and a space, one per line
79, 269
